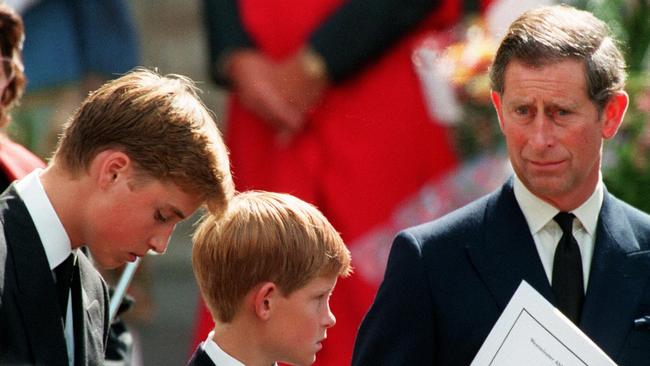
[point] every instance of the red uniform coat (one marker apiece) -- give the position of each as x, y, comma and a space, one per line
369, 144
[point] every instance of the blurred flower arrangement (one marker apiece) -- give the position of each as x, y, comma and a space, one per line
453, 69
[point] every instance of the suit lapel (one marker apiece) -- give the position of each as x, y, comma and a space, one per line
36, 289
508, 254
619, 271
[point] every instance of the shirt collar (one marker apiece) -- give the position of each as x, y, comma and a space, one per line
217, 355
53, 236
539, 212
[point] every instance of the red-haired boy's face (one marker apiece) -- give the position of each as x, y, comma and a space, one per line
300, 321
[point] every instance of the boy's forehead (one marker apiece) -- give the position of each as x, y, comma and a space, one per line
323, 282
316, 285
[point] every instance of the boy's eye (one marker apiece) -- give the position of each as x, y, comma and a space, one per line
159, 217
324, 297
321, 297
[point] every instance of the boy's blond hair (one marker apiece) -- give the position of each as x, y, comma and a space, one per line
263, 237
161, 124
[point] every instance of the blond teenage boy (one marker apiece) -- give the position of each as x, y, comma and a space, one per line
140, 154
266, 272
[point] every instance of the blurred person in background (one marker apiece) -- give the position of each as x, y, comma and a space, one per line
71, 48
325, 105
15, 160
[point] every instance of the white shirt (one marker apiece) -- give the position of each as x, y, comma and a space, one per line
56, 242
547, 233
216, 354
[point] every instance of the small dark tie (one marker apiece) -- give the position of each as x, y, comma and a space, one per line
64, 273
567, 270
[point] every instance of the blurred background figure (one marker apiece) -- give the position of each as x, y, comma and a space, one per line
325, 105
15, 160
71, 48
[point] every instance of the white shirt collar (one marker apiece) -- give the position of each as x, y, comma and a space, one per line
217, 355
53, 236
539, 212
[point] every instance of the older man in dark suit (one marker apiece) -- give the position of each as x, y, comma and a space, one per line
557, 83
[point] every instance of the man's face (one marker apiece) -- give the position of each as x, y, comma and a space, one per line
553, 131
301, 320
130, 219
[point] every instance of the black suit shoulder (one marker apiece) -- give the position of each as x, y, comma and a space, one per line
639, 222
200, 358
452, 230
12, 209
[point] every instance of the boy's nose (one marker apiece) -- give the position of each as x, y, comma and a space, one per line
331, 319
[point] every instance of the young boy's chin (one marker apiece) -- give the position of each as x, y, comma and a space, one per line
303, 360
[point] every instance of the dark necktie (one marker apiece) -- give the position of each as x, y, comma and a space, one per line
567, 270
64, 273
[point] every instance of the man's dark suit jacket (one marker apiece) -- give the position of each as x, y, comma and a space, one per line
200, 358
31, 326
447, 282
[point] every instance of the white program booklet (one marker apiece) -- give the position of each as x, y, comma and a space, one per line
534, 333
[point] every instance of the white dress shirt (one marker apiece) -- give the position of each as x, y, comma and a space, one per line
547, 233
56, 242
216, 354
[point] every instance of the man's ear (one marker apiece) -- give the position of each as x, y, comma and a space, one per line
111, 166
613, 113
496, 102
263, 300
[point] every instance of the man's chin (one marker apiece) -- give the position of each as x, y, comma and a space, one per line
550, 189
547, 186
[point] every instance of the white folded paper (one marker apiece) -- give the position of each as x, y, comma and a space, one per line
532, 332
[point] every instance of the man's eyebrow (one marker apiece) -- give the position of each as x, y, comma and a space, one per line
565, 104
517, 101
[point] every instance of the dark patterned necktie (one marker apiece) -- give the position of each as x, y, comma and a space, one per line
567, 270
64, 273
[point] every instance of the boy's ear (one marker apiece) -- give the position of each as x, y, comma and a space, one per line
110, 166
263, 300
